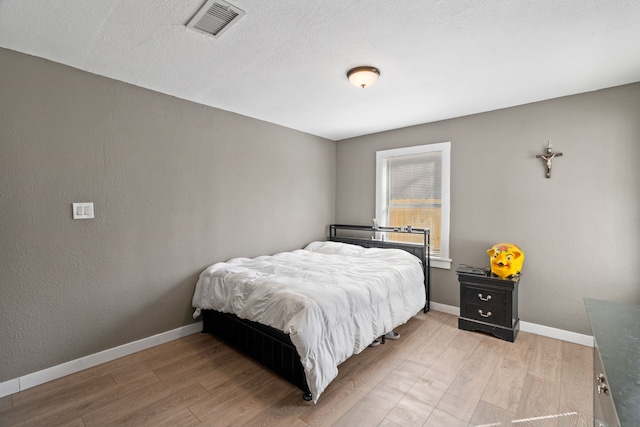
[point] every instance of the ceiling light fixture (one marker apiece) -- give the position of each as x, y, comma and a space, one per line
363, 76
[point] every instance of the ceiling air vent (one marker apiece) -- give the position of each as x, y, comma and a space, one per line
215, 17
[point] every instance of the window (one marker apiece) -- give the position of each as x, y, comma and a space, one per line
412, 188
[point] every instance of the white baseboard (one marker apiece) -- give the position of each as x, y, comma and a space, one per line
443, 308
546, 331
9, 387
560, 334
59, 371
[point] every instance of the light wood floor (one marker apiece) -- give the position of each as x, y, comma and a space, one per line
435, 375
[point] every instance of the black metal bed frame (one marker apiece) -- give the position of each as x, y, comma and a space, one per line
267, 345
273, 348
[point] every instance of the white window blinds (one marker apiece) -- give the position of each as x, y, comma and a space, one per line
415, 179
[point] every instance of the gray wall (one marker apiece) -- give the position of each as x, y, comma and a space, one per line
175, 185
580, 230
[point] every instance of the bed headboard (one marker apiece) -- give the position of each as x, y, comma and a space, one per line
369, 237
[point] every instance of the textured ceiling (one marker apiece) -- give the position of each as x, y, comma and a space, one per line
285, 61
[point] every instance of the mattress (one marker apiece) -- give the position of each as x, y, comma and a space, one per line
333, 299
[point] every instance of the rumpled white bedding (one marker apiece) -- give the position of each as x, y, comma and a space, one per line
333, 299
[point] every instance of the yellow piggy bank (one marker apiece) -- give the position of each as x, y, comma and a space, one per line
506, 260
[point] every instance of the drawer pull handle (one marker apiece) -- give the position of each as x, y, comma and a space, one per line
603, 389
484, 315
487, 298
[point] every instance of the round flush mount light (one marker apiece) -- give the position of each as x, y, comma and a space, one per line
363, 76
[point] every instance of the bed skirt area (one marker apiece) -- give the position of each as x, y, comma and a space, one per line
269, 346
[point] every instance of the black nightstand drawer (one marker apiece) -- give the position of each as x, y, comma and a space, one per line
486, 297
495, 315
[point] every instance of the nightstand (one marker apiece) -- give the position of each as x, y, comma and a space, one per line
488, 304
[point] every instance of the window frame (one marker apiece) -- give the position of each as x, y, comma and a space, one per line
442, 260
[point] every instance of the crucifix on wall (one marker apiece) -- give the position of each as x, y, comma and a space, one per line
548, 157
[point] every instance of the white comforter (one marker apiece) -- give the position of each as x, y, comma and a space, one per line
333, 299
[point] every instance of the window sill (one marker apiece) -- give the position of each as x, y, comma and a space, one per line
441, 263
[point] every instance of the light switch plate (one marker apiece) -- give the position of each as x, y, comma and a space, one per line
82, 210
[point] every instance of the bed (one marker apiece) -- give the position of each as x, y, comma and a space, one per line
302, 313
